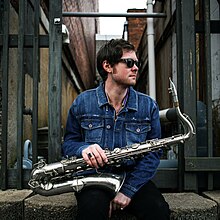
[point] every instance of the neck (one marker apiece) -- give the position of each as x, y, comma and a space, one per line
116, 97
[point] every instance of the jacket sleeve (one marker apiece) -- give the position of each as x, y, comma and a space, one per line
146, 167
73, 138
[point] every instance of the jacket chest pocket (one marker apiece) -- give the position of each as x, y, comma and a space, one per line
136, 132
93, 130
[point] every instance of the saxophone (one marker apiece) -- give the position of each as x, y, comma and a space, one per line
67, 175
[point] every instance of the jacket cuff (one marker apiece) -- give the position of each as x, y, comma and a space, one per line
128, 190
79, 151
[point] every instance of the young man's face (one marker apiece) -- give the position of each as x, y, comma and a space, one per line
125, 72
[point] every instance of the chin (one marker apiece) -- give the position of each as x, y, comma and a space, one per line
132, 83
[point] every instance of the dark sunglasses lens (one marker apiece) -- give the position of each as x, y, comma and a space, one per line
137, 63
130, 63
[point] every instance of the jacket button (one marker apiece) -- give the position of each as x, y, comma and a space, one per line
90, 125
108, 126
138, 130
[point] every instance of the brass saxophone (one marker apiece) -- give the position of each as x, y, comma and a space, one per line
57, 178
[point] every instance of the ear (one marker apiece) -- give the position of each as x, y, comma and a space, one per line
106, 66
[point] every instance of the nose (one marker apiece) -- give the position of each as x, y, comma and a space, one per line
135, 67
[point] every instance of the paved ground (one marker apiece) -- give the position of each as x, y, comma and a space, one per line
22, 205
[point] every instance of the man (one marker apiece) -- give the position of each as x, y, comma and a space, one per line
114, 115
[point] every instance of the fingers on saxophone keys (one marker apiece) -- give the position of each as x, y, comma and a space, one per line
98, 158
89, 155
91, 159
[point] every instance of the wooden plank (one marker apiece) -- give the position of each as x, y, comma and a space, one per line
12, 178
166, 178
202, 164
208, 77
20, 92
186, 81
28, 41
55, 70
36, 75
5, 59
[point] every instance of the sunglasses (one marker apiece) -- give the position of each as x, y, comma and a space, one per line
130, 62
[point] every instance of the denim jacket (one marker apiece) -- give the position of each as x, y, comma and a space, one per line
91, 119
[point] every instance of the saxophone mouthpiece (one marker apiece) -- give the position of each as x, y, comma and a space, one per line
173, 91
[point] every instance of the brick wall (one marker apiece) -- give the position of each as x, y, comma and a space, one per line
136, 27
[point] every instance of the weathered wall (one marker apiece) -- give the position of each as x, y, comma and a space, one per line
215, 67
82, 46
12, 90
163, 28
82, 38
166, 62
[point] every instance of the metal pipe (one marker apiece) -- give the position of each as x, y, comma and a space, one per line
28, 149
97, 14
125, 32
168, 115
151, 55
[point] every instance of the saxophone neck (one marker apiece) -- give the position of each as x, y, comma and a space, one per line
188, 125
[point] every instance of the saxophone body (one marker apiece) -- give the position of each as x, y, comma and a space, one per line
67, 175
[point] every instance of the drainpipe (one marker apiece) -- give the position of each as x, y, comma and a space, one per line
151, 56
125, 34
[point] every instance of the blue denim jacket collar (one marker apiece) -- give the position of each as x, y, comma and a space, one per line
132, 102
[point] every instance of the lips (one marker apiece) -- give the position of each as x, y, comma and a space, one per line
132, 76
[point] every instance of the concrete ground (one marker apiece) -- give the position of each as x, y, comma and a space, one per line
23, 205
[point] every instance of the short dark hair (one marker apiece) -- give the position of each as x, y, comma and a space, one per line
112, 52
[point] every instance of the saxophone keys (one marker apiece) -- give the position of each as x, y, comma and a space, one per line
117, 150
135, 146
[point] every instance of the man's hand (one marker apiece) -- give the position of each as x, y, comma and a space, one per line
95, 156
119, 202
